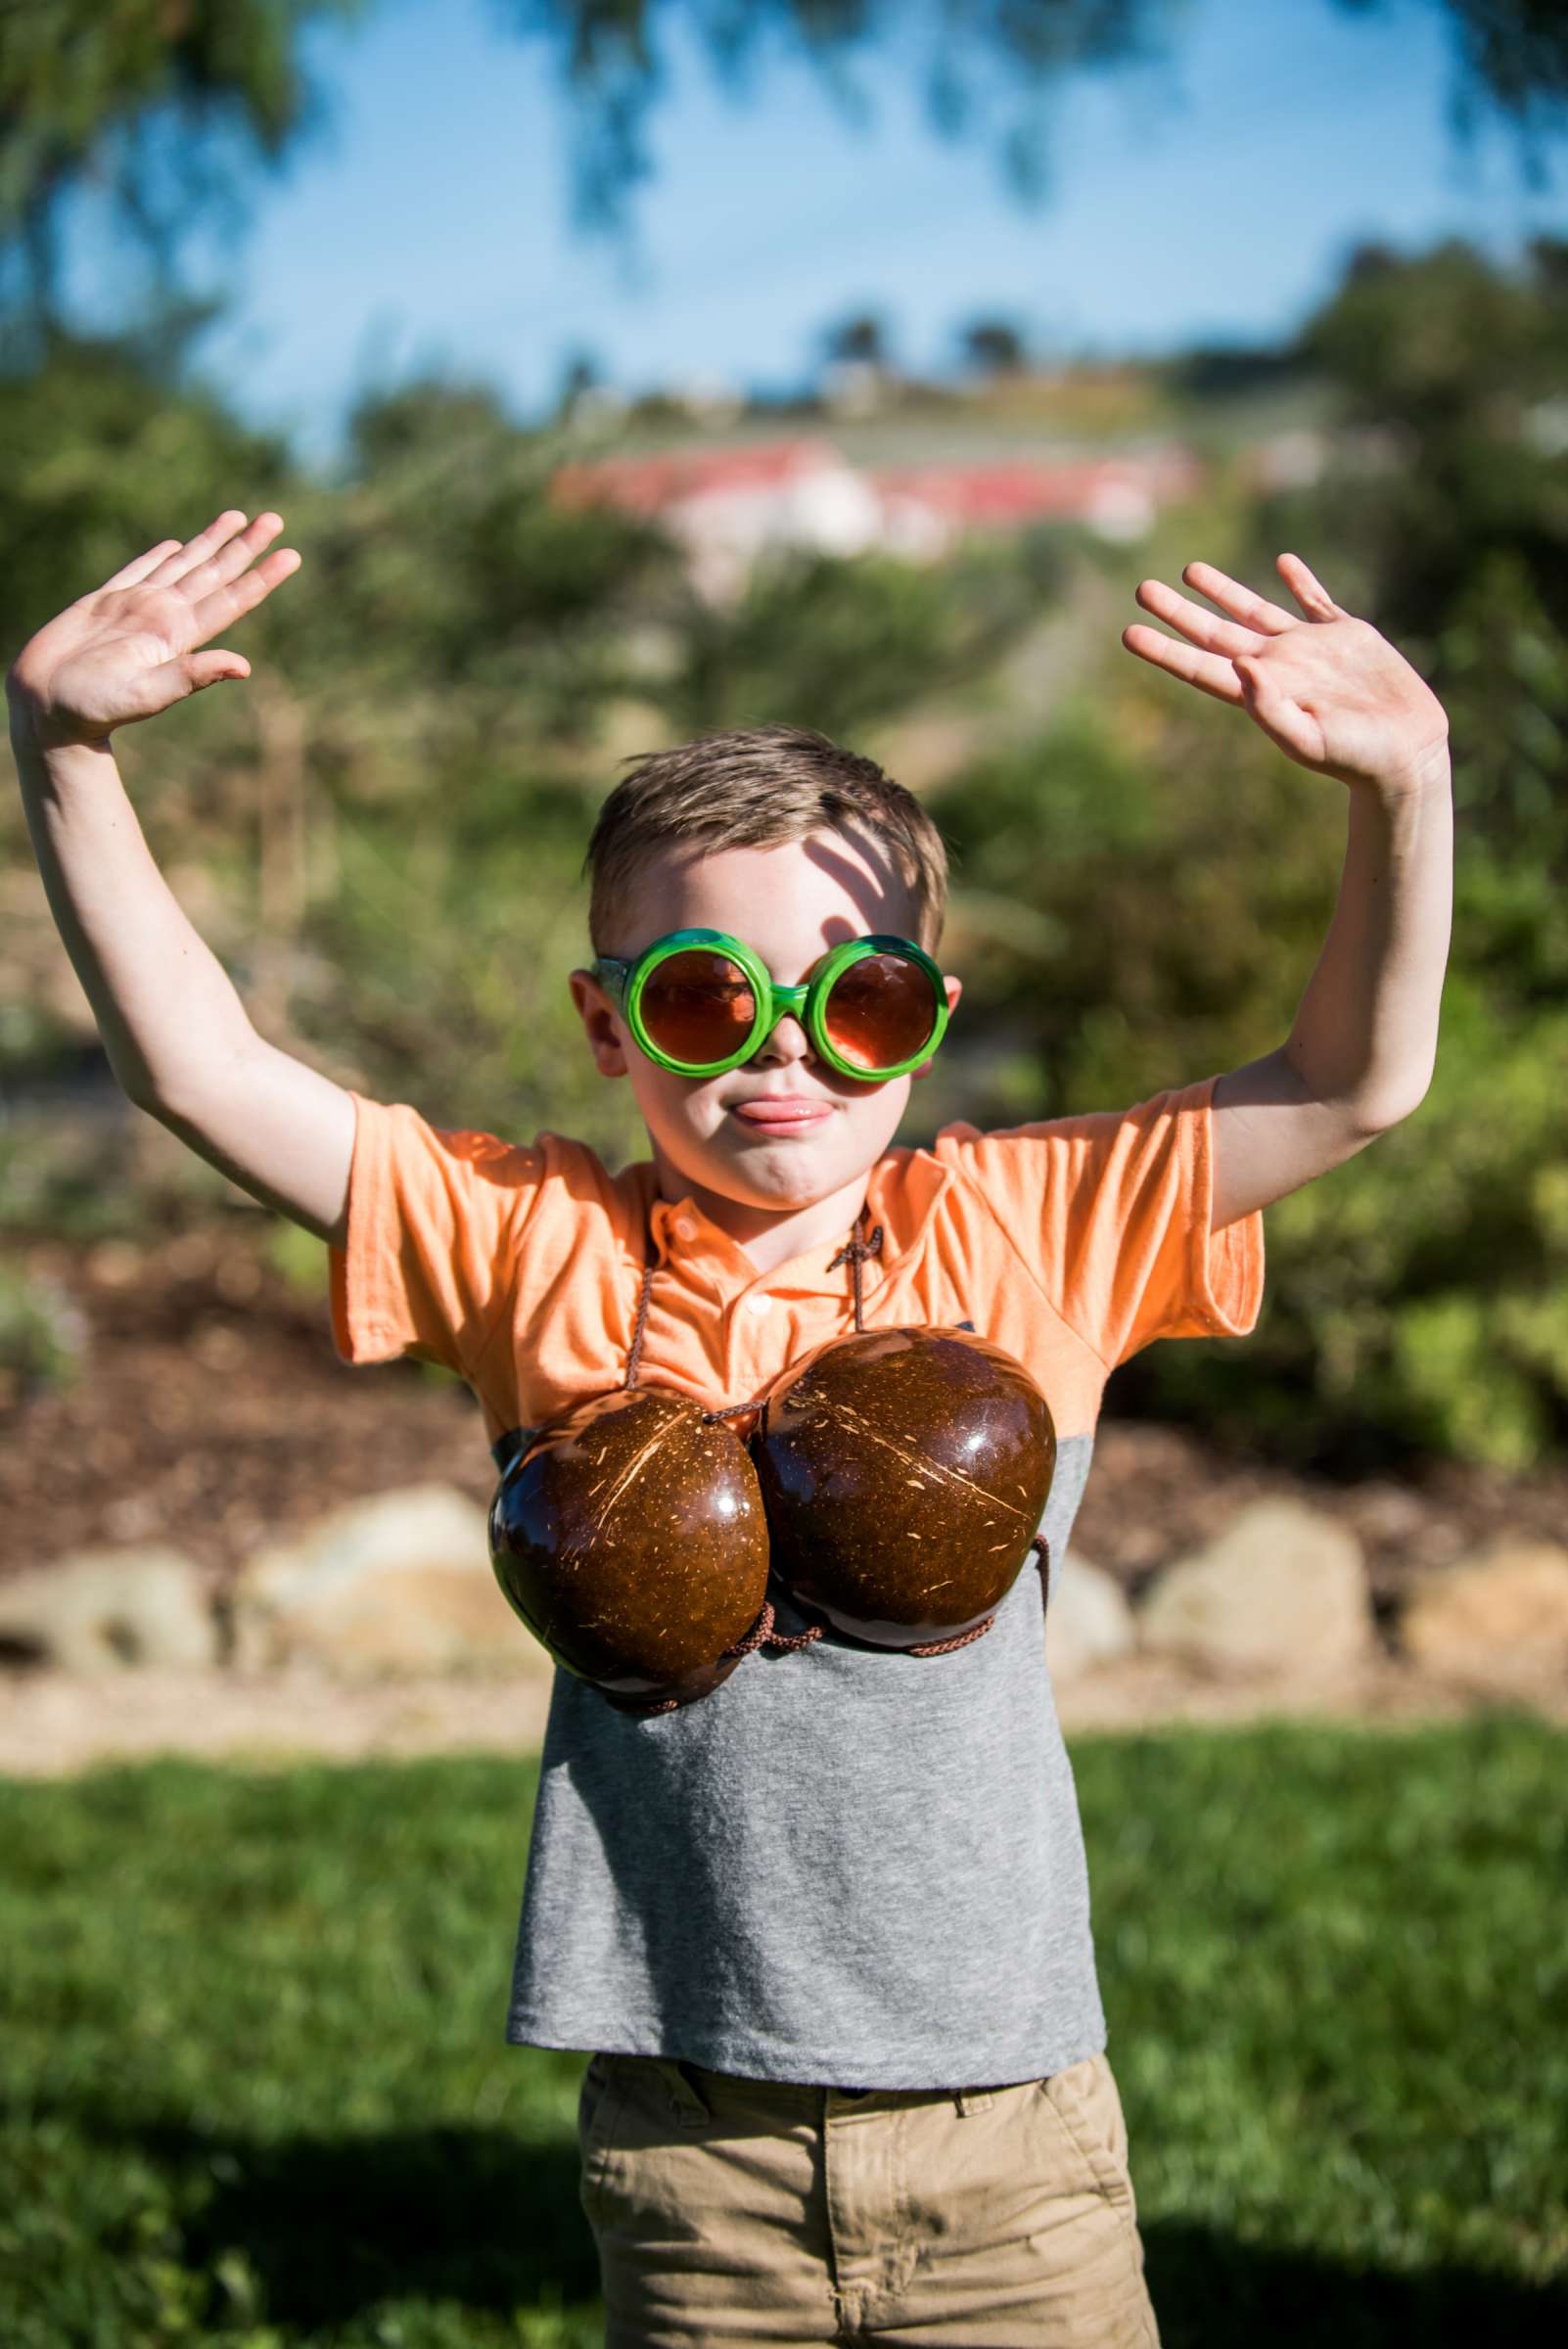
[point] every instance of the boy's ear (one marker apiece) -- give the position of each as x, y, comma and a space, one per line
954, 988
599, 1020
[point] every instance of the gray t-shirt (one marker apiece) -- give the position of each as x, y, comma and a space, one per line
843, 1866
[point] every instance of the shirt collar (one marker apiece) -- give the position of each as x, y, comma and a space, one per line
903, 1192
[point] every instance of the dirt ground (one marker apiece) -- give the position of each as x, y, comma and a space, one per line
213, 1414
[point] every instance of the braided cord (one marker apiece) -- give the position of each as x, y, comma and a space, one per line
634, 1355
855, 1249
858, 1250
945, 1647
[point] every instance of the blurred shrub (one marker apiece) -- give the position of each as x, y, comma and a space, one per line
43, 1339
109, 450
299, 1258
51, 1180
843, 645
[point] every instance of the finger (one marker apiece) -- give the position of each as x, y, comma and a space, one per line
1307, 589
176, 680
1197, 625
213, 667
231, 558
1270, 620
241, 595
131, 574
197, 550
1206, 671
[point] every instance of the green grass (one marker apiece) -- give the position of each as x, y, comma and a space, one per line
253, 2089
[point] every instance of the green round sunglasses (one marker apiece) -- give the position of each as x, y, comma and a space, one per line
701, 1001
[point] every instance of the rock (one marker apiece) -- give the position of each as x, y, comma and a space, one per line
400, 1584
1282, 1590
1509, 1604
1087, 1620
105, 1610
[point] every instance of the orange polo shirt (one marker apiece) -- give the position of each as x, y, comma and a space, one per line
1070, 1241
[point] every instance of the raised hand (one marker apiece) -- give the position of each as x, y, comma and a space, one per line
128, 649
1329, 689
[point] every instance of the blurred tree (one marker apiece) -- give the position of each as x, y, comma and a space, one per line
1210, 371
581, 375
986, 71
144, 100
1447, 496
853, 643
107, 449
993, 346
987, 68
1514, 51
860, 340
1444, 340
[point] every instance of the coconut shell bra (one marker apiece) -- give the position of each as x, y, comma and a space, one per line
891, 1483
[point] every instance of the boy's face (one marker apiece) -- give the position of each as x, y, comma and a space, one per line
789, 904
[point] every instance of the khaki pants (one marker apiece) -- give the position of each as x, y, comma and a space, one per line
729, 2210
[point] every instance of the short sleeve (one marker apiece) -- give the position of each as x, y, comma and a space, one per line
434, 1223
1112, 1214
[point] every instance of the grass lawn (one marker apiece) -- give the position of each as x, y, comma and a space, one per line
252, 2088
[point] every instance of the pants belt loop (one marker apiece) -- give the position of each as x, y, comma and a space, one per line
972, 2099
691, 2110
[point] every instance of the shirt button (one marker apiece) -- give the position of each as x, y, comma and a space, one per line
684, 1227
757, 1303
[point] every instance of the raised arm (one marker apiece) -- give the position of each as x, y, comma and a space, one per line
176, 1033
1336, 697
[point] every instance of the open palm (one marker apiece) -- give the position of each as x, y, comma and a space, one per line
129, 649
1329, 689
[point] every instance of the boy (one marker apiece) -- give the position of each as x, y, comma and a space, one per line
825, 1931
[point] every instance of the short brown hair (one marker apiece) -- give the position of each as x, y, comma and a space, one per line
755, 789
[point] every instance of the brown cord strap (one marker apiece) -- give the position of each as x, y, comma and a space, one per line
635, 1356
762, 1634
945, 1647
858, 1250
856, 1253
757, 1637
787, 1640
855, 1249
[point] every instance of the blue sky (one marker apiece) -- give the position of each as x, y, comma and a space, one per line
429, 223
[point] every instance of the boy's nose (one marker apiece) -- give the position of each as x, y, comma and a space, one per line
787, 1041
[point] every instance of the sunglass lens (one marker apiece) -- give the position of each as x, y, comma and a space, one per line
880, 1011
697, 1006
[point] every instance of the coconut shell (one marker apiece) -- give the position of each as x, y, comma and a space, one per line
904, 1473
629, 1537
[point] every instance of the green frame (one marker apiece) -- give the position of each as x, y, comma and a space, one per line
623, 981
